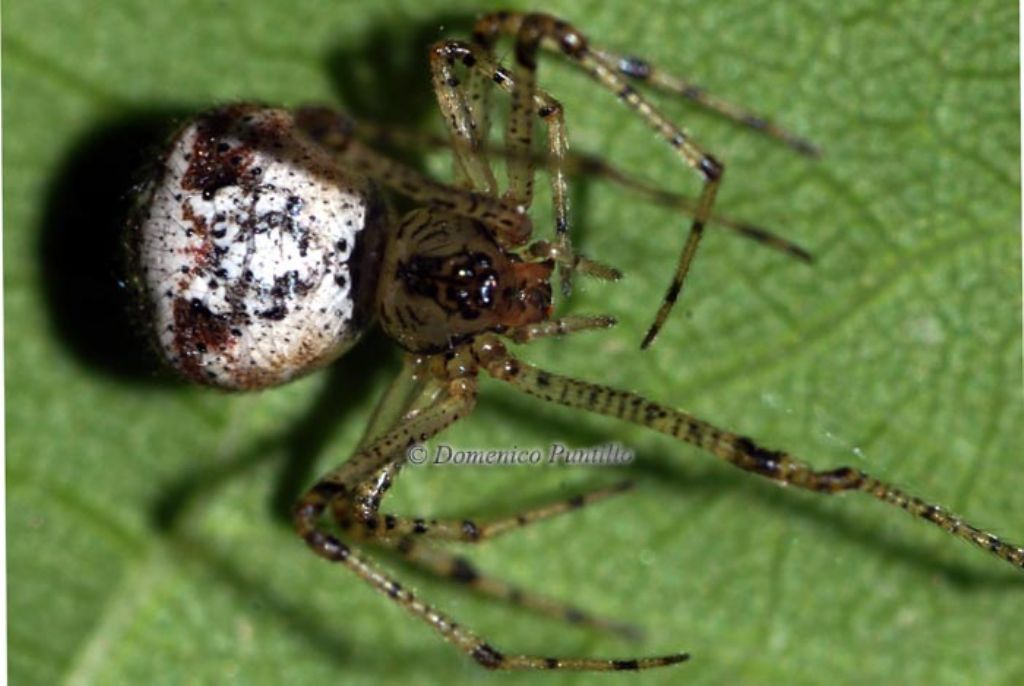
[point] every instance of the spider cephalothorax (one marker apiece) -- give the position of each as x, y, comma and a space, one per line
260, 253
446, 280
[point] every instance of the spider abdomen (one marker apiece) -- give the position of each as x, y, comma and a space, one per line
256, 252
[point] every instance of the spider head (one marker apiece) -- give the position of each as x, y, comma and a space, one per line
445, 280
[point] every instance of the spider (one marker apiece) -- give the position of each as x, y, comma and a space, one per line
264, 250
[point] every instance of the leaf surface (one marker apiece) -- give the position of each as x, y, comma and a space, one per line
144, 544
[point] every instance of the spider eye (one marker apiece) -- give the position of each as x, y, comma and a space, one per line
250, 250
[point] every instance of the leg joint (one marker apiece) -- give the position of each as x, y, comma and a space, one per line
711, 168
487, 656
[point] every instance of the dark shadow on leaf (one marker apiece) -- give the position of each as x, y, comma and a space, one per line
81, 246
248, 585
386, 78
295, 613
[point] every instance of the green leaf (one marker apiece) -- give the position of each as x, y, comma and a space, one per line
144, 538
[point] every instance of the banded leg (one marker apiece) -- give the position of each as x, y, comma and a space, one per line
479, 86
409, 393
592, 165
641, 70
527, 101
735, 449
376, 458
584, 164
334, 132
562, 326
567, 259
381, 452
535, 31
362, 521
460, 570
365, 518
471, 165
562, 163
334, 550
358, 509
360, 518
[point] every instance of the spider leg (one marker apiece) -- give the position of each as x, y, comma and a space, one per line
358, 516
641, 70
472, 167
361, 520
380, 452
363, 515
560, 327
457, 105
460, 570
335, 133
410, 390
585, 164
735, 449
591, 165
527, 101
535, 31
372, 459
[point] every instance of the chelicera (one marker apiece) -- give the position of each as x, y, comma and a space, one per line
265, 250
